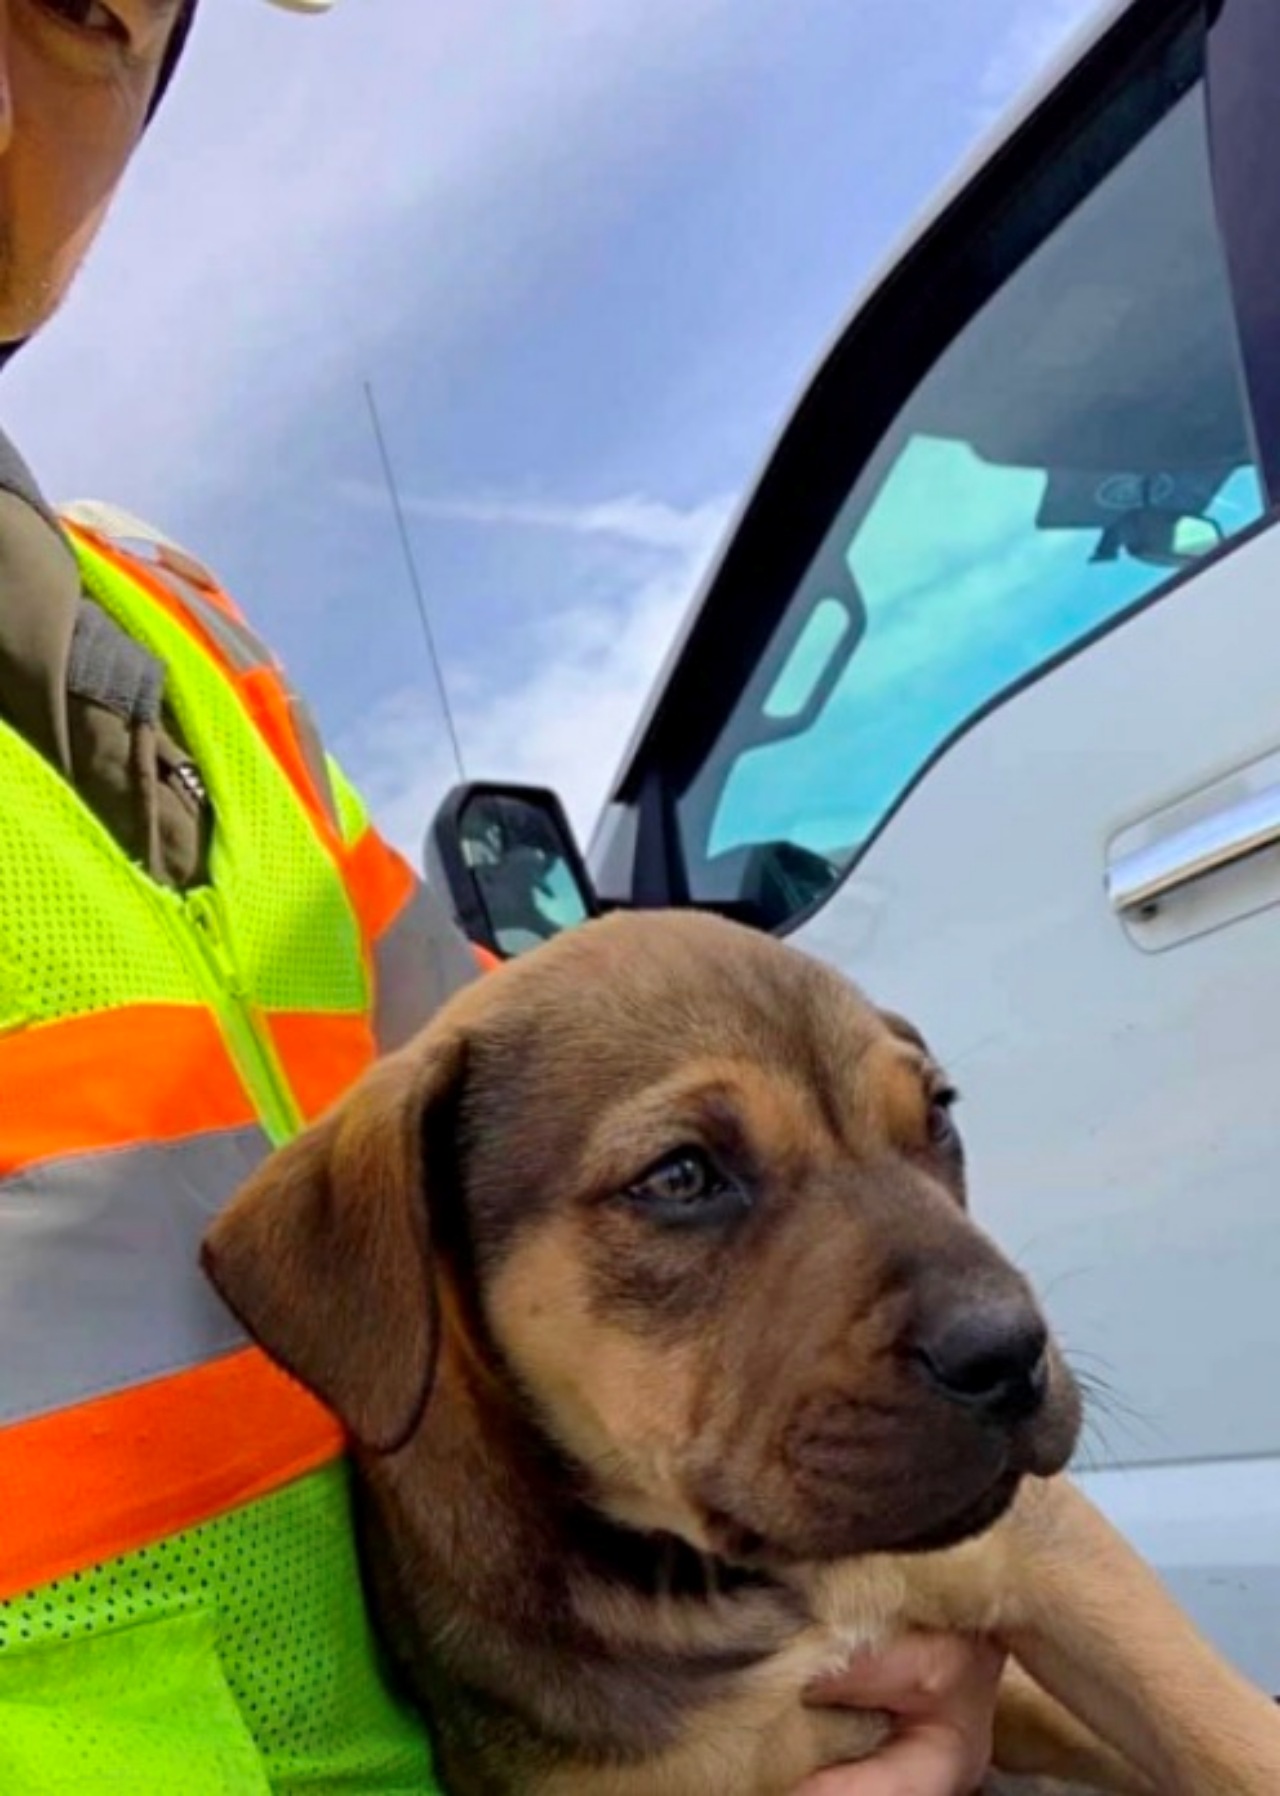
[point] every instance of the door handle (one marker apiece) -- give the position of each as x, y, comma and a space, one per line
1146, 875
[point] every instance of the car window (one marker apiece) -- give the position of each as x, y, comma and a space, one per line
1080, 442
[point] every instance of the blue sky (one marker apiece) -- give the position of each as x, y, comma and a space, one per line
585, 250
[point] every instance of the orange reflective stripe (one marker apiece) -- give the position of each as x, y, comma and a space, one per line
381, 882
151, 1072
322, 1054
267, 702
141, 574
151, 1461
489, 962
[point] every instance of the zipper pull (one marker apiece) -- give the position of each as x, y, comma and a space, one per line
206, 915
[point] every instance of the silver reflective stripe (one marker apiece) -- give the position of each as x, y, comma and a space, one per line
243, 649
100, 1284
125, 528
308, 738
421, 960
246, 652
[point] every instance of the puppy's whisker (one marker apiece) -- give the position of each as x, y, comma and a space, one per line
1098, 1388
1107, 1414
1057, 1281
955, 1062
1083, 1354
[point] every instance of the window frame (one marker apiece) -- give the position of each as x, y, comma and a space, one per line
1243, 45
1103, 105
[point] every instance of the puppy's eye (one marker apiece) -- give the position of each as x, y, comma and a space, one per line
942, 1123
686, 1187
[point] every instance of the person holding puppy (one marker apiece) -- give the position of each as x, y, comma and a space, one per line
942, 1692
202, 943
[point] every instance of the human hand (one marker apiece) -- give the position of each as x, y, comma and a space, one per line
941, 1690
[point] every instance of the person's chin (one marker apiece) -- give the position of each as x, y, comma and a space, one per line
22, 317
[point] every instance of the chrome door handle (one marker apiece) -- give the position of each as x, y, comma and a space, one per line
1145, 875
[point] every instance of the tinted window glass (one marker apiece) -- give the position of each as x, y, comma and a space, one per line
1080, 442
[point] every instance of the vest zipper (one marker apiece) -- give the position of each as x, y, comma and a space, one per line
243, 1027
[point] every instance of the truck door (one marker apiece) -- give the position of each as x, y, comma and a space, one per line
984, 706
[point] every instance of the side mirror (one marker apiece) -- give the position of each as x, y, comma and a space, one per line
507, 858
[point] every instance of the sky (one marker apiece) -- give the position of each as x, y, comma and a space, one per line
584, 255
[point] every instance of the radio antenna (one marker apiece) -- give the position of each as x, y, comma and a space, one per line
415, 579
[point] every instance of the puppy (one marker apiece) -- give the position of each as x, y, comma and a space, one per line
675, 1370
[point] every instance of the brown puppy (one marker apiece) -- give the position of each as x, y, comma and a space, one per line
675, 1370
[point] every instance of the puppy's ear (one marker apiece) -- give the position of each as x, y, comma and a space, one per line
325, 1255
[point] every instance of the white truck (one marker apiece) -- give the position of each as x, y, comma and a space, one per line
981, 702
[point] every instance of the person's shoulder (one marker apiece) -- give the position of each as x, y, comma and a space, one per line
433, 942
148, 549
122, 530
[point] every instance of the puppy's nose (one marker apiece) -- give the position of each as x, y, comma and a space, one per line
992, 1359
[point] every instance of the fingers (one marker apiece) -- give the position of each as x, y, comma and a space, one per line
924, 1762
921, 1674
942, 1689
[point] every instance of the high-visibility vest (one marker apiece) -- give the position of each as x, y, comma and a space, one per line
180, 1606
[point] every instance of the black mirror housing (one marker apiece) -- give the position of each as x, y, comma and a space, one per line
506, 858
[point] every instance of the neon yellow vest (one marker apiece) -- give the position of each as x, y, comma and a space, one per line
231, 1656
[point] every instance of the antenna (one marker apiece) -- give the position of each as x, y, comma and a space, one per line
415, 582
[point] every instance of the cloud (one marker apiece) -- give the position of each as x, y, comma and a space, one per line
633, 519
566, 721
